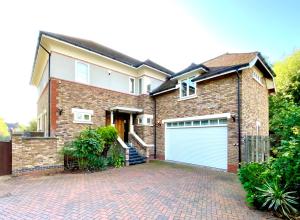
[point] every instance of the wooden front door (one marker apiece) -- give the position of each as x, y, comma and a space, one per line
121, 121
120, 126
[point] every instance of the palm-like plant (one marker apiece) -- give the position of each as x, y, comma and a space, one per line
278, 200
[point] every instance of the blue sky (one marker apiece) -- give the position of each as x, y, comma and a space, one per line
173, 33
272, 27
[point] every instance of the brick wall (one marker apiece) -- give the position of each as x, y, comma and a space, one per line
36, 153
213, 97
255, 104
75, 95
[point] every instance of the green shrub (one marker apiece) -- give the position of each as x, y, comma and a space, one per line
90, 149
277, 199
85, 148
284, 119
116, 157
253, 175
108, 136
98, 163
272, 184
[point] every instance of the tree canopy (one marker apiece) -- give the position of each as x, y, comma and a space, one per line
288, 76
4, 133
285, 105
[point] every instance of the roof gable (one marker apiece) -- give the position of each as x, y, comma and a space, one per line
223, 64
101, 50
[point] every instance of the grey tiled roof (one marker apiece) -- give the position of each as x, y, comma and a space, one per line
214, 67
191, 67
105, 51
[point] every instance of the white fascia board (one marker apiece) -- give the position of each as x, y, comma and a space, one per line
225, 73
165, 91
89, 51
126, 109
153, 69
102, 55
201, 117
180, 76
252, 63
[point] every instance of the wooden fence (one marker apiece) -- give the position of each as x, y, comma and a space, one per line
5, 158
256, 148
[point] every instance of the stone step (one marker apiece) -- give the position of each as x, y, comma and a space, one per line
139, 161
135, 157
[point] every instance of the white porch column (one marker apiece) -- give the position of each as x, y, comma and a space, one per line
112, 118
131, 123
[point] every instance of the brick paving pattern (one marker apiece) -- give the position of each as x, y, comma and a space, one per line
156, 190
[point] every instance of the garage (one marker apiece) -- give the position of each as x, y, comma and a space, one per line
200, 142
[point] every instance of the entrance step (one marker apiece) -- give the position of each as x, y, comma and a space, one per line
135, 157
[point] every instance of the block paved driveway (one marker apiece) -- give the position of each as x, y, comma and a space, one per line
157, 190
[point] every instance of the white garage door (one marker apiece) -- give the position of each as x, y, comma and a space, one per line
202, 142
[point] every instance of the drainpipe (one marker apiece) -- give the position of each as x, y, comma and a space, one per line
154, 127
239, 115
49, 90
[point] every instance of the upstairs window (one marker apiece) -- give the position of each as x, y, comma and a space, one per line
149, 88
257, 77
131, 85
82, 72
187, 87
140, 85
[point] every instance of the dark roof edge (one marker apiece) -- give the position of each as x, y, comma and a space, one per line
208, 76
163, 91
94, 51
187, 70
221, 72
266, 64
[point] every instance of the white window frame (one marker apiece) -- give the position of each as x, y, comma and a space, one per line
143, 120
192, 124
82, 112
76, 72
130, 78
256, 76
188, 96
140, 86
148, 87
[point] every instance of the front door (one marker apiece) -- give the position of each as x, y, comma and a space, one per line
122, 125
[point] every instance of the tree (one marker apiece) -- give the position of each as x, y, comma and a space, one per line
4, 133
288, 77
284, 119
32, 125
285, 105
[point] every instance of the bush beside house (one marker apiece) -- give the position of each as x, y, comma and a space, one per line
94, 149
275, 185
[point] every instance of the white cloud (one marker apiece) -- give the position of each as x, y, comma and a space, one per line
163, 31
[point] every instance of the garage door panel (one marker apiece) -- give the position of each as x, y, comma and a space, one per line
202, 145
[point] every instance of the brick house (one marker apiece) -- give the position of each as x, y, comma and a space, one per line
198, 115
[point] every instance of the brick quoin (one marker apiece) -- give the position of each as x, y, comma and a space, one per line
53, 105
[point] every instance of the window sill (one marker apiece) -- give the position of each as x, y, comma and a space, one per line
142, 125
83, 122
187, 97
